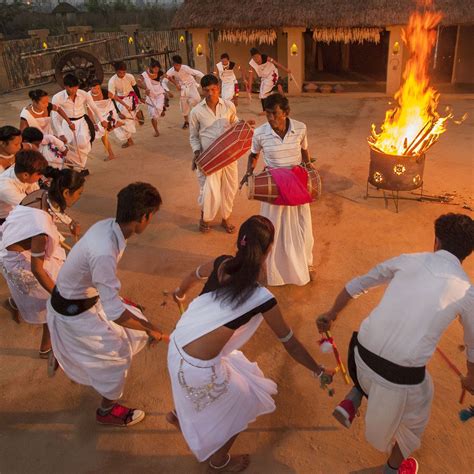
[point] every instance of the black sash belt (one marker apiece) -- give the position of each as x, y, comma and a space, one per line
71, 307
90, 125
390, 371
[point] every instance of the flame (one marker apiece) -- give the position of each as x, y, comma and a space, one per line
414, 124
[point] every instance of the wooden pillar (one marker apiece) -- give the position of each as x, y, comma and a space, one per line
4, 81
201, 51
295, 51
397, 56
345, 56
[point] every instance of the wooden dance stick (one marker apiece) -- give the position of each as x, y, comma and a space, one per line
294, 80
340, 364
454, 369
65, 246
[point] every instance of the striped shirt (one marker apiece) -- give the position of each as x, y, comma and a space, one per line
280, 152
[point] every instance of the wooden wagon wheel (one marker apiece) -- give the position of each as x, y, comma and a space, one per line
84, 66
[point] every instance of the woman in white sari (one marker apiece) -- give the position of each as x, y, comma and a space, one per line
217, 391
31, 254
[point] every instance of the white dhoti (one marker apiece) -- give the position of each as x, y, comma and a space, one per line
217, 399
126, 131
29, 296
53, 155
292, 251
395, 413
78, 142
155, 105
228, 90
217, 191
93, 350
267, 85
189, 97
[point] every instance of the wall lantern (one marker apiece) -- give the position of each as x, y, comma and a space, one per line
199, 49
294, 50
45, 45
396, 47
81, 39
181, 39
130, 40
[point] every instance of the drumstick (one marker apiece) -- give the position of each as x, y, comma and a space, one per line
454, 369
338, 359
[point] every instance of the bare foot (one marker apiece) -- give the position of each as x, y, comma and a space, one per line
229, 228
110, 158
173, 419
237, 463
10, 306
312, 273
125, 145
156, 134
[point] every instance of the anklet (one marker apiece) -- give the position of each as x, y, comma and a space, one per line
223, 465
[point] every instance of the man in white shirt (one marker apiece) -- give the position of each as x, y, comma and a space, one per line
284, 144
212, 117
124, 86
225, 70
387, 358
266, 69
20, 179
79, 131
94, 333
185, 78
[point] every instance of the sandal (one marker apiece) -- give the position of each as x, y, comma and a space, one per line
204, 227
45, 354
229, 228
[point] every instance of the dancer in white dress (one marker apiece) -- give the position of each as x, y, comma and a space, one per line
266, 69
217, 391
106, 103
225, 70
30, 251
10, 143
284, 145
94, 333
185, 79
51, 147
425, 293
150, 80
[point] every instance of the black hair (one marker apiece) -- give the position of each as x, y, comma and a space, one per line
95, 82
154, 63
254, 51
36, 94
30, 161
177, 59
224, 56
32, 135
70, 80
135, 201
7, 133
273, 100
62, 180
209, 80
456, 234
256, 235
120, 66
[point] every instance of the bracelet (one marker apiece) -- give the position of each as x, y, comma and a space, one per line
38, 254
287, 337
182, 298
198, 275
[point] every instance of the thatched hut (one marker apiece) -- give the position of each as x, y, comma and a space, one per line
328, 41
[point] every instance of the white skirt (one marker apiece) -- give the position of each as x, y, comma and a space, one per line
155, 105
210, 415
93, 350
29, 296
292, 251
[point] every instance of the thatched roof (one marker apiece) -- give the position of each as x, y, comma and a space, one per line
64, 7
262, 14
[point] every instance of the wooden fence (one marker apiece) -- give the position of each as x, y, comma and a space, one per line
39, 69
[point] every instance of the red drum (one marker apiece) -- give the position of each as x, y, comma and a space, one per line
262, 187
229, 147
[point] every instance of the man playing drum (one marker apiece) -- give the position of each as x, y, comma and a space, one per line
208, 121
284, 144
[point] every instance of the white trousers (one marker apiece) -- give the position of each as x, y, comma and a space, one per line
189, 98
218, 191
395, 413
78, 142
292, 251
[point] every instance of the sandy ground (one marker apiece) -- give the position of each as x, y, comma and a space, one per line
48, 425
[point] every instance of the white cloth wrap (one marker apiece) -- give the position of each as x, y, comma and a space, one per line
30, 297
93, 350
248, 393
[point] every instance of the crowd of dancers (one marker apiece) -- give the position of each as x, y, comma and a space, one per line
92, 333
